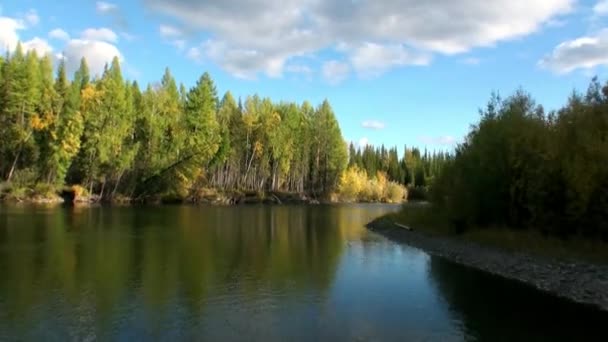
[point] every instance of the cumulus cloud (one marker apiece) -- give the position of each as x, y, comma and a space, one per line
363, 142
373, 124
9, 36
335, 72
300, 69
242, 63
446, 140
41, 46
59, 34
404, 32
97, 54
102, 34
371, 59
581, 53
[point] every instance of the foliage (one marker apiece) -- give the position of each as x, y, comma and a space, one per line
396, 193
522, 168
414, 168
354, 185
109, 137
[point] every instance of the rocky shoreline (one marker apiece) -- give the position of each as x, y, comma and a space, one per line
580, 282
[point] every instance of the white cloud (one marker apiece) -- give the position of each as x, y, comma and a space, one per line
97, 54
363, 142
372, 59
39, 45
241, 63
601, 8
335, 72
173, 36
410, 30
8, 33
59, 34
9, 37
31, 17
299, 69
102, 34
105, 7
445, 140
168, 31
581, 53
373, 124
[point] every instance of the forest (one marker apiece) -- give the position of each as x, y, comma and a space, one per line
524, 168
105, 136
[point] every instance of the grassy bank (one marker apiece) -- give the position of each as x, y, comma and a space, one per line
423, 218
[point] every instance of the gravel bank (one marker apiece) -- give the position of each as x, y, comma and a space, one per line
577, 281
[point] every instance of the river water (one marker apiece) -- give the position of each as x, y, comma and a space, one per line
252, 273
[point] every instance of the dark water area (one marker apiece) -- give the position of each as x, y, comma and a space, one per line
262, 273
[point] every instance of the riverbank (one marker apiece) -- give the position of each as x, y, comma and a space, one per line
579, 281
78, 195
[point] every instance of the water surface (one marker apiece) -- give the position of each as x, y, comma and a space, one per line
266, 273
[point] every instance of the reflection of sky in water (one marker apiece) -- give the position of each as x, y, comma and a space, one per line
246, 273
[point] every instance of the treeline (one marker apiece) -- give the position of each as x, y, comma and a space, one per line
523, 168
113, 138
414, 169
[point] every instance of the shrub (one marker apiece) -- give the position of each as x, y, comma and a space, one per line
396, 193
79, 191
44, 190
354, 185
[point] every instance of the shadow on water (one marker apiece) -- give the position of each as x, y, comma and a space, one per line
492, 308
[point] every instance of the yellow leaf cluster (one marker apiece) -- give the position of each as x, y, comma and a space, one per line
354, 185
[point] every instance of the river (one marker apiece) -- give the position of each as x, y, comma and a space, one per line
263, 273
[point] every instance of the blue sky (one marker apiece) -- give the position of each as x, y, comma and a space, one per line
396, 71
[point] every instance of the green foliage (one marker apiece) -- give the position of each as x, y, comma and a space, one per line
413, 169
521, 168
109, 137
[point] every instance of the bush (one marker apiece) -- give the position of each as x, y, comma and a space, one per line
396, 193
44, 190
351, 184
79, 191
354, 185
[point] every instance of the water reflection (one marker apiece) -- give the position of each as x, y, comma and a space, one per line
268, 273
99, 271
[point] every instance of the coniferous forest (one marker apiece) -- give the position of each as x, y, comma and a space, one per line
111, 138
